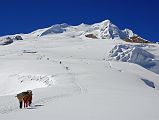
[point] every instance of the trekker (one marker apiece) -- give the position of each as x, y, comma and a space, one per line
67, 68
20, 97
30, 97
27, 98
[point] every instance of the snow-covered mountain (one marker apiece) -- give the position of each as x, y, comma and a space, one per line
103, 30
75, 77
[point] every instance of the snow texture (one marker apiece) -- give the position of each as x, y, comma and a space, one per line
133, 54
77, 78
58, 28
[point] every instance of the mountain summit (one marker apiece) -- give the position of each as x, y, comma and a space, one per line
102, 30
107, 30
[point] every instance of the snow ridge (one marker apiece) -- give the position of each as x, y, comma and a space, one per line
103, 30
107, 30
133, 54
58, 28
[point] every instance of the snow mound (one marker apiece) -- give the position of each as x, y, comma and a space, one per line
132, 54
58, 28
15, 83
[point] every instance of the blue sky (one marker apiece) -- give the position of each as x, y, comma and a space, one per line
23, 16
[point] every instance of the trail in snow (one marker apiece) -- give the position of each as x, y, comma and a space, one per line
74, 79
70, 78
112, 67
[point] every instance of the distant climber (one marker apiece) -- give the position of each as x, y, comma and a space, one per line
67, 68
60, 62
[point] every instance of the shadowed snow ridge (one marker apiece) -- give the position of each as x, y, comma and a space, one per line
107, 30
6, 41
132, 54
58, 28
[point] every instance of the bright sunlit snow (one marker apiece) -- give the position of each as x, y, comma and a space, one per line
98, 79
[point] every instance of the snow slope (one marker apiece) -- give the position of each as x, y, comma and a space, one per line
58, 28
86, 86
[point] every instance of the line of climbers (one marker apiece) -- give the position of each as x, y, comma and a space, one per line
25, 97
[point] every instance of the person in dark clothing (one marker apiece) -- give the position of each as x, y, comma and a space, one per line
25, 97
60, 62
20, 97
21, 104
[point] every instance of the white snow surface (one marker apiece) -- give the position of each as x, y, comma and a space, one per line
86, 86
